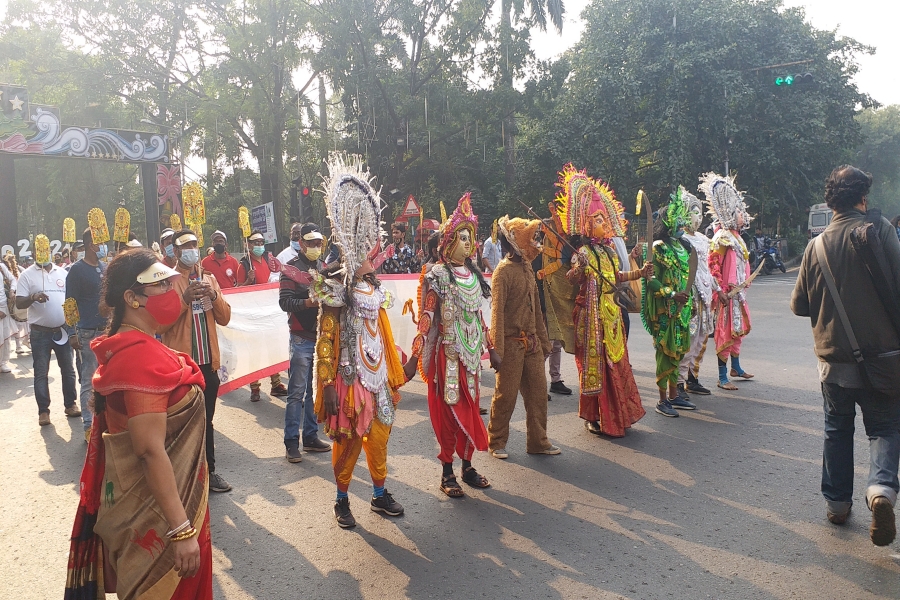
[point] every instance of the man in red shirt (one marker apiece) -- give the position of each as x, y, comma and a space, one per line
254, 269
223, 266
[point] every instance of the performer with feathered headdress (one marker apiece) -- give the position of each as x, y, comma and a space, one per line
730, 265
666, 310
357, 370
705, 288
451, 339
591, 216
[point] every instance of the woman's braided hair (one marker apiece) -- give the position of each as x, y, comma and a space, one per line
846, 187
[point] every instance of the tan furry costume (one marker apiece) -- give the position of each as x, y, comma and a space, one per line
520, 338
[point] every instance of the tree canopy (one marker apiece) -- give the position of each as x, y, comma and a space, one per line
446, 96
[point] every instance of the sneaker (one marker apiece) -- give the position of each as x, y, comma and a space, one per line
838, 519
316, 445
682, 393
695, 387
5, 368
665, 409
293, 455
387, 505
218, 484
279, 391
44, 419
500, 453
550, 450
73, 411
21, 351
883, 528
254, 396
558, 387
682, 404
343, 515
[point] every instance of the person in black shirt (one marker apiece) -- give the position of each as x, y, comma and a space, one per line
303, 315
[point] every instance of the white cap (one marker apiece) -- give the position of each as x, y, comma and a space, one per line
185, 238
156, 272
219, 232
256, 236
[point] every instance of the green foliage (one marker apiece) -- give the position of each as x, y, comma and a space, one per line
441, 100
879, 154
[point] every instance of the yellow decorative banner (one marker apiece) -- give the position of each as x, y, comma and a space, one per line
175, 222
41, 249
244, 221
122, 225
198, 231
194, 204
70, 310
99, 228
69, 230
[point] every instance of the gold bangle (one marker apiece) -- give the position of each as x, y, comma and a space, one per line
185, 535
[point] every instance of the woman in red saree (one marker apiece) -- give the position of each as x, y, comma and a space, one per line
142, 526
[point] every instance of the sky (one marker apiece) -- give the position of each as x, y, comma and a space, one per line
871, 22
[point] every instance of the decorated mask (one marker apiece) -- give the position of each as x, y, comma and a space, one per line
676, 214
522, 236
453, 246
694, 209
588, 206
725, 202
354, 209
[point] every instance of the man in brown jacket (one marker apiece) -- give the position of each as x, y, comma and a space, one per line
194, 333
520, 338
843, 386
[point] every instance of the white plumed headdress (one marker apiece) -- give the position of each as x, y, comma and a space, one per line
724, 200
354, 209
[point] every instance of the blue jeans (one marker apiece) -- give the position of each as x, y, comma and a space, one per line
86, 361
42, 345
881, 418
300, 410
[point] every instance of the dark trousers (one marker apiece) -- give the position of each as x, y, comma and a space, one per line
210, 394
626, 321
42, 345
881, 419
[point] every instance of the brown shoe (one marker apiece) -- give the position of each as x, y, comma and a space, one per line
44, 419
838, 518
254, 396
73, 411
278, 391
883, 528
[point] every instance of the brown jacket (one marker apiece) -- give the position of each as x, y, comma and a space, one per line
516, 307
177, 336
867, 315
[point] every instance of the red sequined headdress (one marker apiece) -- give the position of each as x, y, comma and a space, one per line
462, 217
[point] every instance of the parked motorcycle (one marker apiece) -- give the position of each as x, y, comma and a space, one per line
765, 249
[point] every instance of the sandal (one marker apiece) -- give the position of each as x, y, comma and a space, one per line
475, 479
727, 386
744, 375
450, 487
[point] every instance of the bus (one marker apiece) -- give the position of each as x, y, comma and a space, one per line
819, 218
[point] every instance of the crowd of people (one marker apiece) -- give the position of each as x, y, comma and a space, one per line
139, 332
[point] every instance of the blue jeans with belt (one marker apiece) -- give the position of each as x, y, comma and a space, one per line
42, 345
881, 418
87, 364
299, 410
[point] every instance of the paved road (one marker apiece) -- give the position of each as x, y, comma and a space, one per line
721, 503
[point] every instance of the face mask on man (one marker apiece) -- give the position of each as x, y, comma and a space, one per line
313, 253
190, 256
295, 245
258, 250
102, 251
219, 248
170, 251
77, 256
